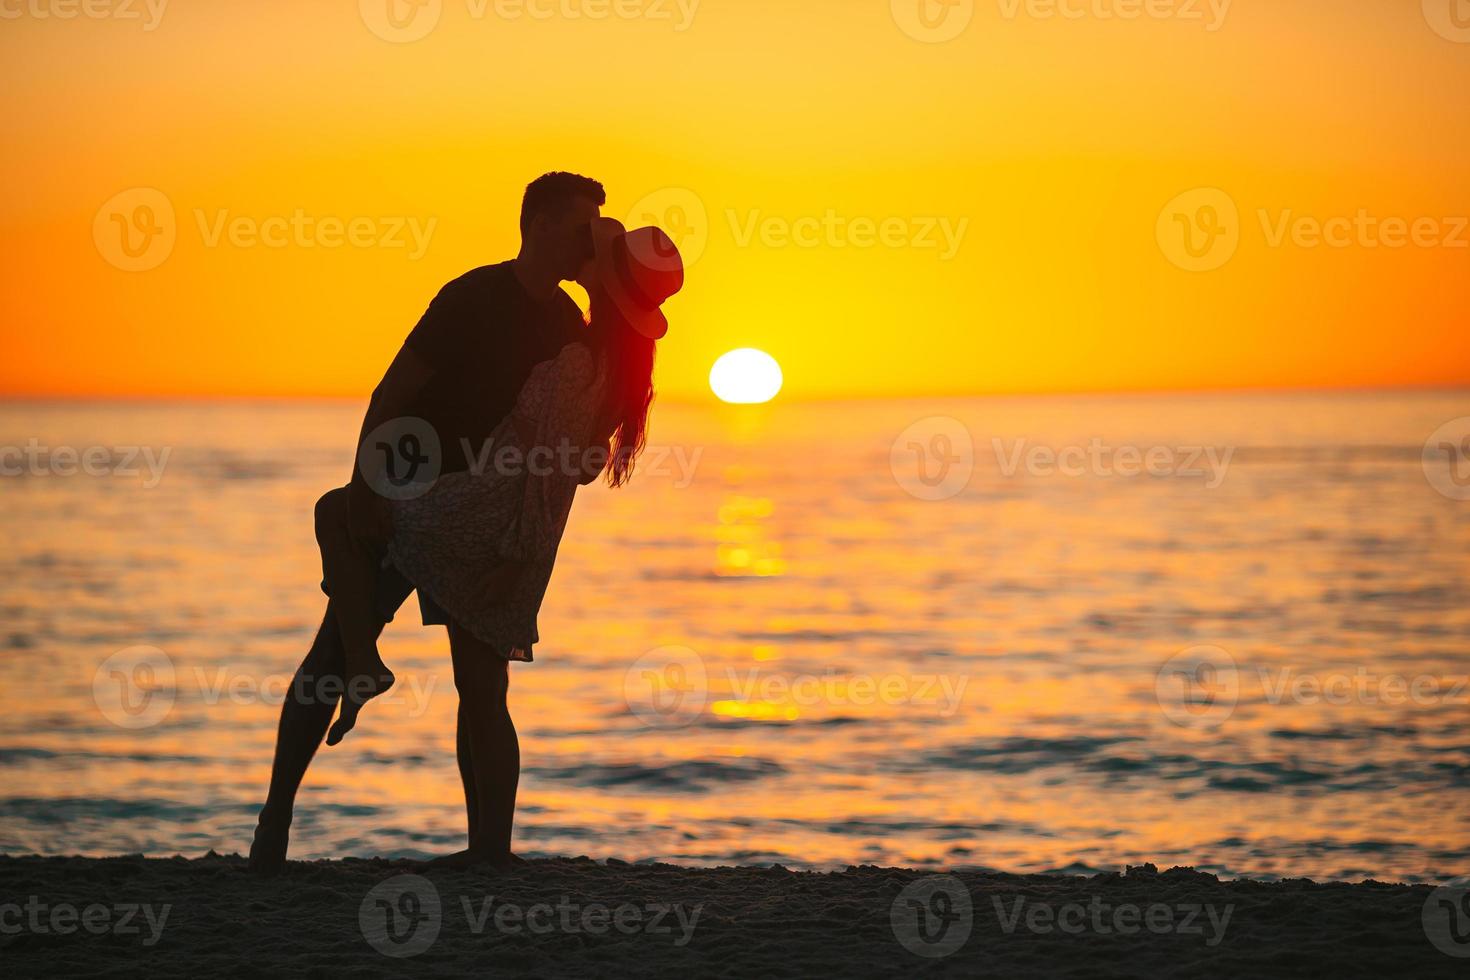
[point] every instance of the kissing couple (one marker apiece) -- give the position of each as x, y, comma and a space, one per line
503, 366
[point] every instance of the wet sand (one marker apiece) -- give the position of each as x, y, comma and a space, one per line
128, 916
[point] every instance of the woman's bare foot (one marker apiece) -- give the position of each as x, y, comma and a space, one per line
364, 684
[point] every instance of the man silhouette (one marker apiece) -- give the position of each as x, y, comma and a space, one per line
460, 371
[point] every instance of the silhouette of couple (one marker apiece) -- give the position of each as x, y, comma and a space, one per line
500, 404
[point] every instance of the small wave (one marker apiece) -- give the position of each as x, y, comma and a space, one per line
1427, 597
695, 776
1020, 754
20, 755
1342, 734
1316, 455
233, 467
827, 636
66, 809
1194, 774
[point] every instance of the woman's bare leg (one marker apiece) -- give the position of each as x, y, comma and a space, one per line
305, 714
350, 567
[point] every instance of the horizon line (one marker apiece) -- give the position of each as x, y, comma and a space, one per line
708, 398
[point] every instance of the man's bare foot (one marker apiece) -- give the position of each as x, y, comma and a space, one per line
474, 858
365, 684
268, 849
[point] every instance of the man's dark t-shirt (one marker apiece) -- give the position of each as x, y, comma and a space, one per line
482, 335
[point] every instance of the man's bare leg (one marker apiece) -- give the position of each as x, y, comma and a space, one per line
467, 773
482, 678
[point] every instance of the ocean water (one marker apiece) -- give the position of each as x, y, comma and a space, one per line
816, 634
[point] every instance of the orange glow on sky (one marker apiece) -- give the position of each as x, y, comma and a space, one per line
882, 214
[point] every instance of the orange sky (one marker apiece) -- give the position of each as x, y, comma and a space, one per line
884, 214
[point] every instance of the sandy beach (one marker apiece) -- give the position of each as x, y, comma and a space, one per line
126, 916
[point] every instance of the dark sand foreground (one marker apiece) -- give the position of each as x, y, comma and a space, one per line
107, 917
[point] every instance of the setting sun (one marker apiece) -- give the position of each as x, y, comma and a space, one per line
745, 377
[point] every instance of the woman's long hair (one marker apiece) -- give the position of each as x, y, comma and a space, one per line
629, 360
